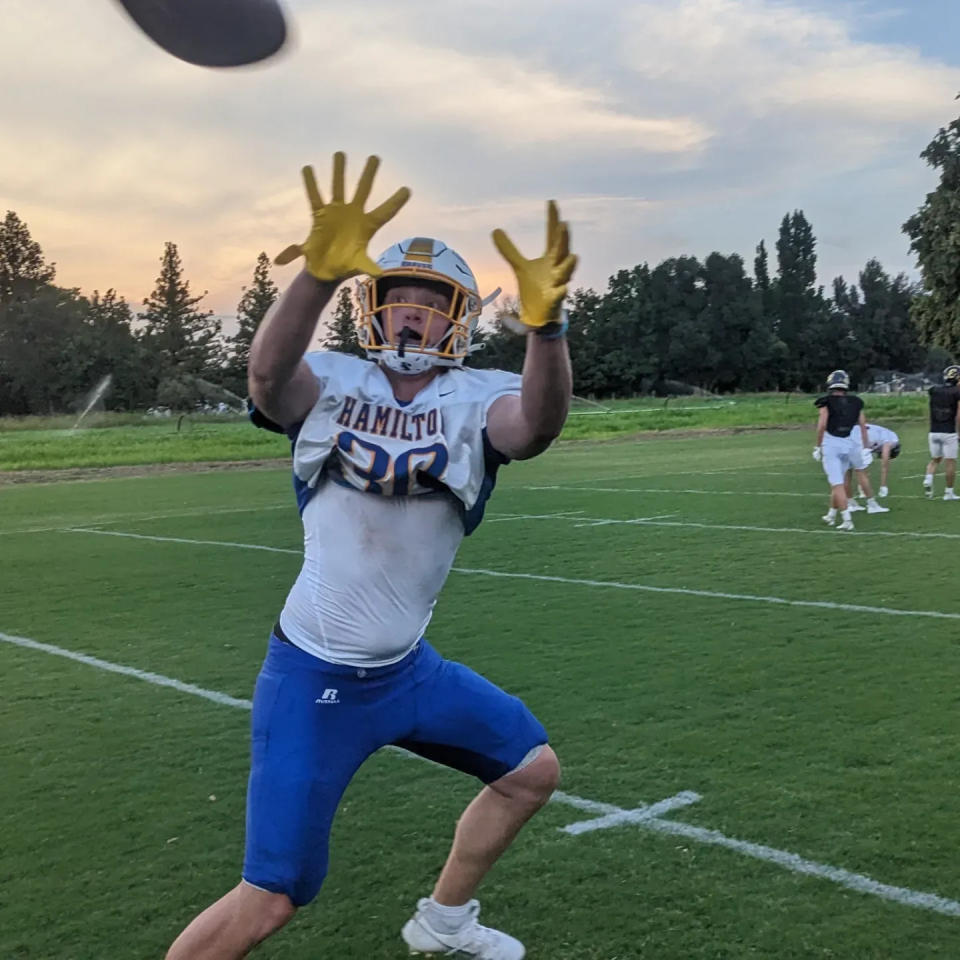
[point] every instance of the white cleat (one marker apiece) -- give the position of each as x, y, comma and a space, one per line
846, 525
876, 508
883, 492
472, 940
828, 520
950, 496
928, 491
853, 506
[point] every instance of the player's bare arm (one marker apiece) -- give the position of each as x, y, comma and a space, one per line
521, 427
822, 425
280, 382
862, 423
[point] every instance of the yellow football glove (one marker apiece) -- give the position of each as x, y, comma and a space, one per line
337, 245
542, 283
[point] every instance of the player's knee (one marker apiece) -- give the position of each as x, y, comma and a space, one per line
276, 912
533, 784
548, 776
268, 911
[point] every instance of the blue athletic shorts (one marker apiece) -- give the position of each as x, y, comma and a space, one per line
314, 723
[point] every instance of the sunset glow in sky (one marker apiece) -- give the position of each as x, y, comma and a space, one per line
662, 127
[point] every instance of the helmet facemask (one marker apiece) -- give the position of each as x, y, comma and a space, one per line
445, 337
400, 347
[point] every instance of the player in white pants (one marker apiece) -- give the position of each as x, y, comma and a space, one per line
841, 440
944, 427
883, 443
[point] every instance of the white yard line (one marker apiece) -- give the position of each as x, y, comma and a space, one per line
143, 517
714, 594
604, 521
206, 543
617, 817
609, 584
748, 528
743, 468
744, 494
645, 817
502, 517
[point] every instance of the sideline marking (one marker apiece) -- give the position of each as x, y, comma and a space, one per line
647, 817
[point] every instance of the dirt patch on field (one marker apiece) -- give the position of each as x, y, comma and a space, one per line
136, 470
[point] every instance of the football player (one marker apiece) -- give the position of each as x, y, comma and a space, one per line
839, 448
885, 444
944, 427
393, 463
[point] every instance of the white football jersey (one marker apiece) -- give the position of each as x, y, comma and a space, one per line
387, 492
878, 436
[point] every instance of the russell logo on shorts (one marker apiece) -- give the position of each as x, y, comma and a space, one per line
329, 696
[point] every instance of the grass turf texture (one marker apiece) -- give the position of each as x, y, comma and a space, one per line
34, 443
827, 733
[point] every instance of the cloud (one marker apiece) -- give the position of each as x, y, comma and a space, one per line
661, 127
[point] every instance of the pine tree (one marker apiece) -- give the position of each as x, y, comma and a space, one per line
22, 267
801, 314
182, 340
257, 299
342, 333
935, 239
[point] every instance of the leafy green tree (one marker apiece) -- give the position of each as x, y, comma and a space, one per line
180, 339
110, 346
935, 239
42, 347
743, 351
883, 325
501, 348
342, 334
587, 356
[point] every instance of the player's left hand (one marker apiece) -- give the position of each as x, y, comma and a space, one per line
336, 248
542, 283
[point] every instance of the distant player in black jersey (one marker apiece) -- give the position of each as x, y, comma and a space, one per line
944, 426
841, 441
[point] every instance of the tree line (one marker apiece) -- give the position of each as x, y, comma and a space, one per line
681, 324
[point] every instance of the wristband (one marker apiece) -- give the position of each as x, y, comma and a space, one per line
555, 330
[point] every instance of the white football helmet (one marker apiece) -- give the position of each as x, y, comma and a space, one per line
431, 263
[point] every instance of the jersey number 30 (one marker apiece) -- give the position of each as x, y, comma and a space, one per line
385, 475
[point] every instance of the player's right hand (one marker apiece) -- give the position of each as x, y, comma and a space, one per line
817, 454
336, 248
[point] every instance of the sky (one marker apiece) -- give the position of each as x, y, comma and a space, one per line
661, 127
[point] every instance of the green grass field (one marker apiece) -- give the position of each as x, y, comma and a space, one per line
801, 681
38, 443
